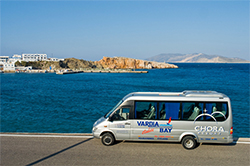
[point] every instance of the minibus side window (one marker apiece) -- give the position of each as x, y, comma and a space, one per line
191, 110
169, 110
111, 111
121, 114
145, 110
217, 111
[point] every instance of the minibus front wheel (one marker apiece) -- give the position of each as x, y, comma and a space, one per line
189, 142
108, 139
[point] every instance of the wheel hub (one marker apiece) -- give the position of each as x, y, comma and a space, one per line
107, 140
189, 143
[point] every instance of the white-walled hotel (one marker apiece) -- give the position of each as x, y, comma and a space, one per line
34, 57
7, 63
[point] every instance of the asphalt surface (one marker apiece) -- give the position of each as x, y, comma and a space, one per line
25, 150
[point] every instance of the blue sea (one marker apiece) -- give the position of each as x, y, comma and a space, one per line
72, 103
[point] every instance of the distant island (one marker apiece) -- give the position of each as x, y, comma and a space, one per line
195, 58
107, 63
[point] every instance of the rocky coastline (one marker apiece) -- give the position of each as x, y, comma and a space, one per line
130, 63
107, 63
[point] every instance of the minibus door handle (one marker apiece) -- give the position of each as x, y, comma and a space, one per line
127, 123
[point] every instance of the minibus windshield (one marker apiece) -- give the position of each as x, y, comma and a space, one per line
110, 112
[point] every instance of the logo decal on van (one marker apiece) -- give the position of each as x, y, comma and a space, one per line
166, 125
148, 123
209, 130
147, 131
120, 126
166, 128
163, 127
139, 137
162, 137
207, 139
211, 116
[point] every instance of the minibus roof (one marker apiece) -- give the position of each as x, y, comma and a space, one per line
185, 94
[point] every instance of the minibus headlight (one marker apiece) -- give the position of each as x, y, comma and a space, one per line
94, 129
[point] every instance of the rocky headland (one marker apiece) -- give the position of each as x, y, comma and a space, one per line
130, 63
107, 63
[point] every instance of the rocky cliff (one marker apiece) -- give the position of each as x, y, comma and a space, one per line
74, 63
130, 63
105, 63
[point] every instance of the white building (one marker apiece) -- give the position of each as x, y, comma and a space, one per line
9, 66
7, 63
4, 59
34, 57
12, 60
17, 57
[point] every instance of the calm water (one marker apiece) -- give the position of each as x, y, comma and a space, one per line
72, 103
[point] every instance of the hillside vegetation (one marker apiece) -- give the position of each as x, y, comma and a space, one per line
69, 63
105, 63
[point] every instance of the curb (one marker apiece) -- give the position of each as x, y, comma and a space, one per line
57, 134
88, 135
48, 135
241, 140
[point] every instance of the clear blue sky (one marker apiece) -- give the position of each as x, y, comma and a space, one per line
138, 29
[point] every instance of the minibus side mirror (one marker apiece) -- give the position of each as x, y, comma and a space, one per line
111, 118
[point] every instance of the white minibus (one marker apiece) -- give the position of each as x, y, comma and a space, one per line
189, 117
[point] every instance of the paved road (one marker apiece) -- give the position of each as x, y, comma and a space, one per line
22, 150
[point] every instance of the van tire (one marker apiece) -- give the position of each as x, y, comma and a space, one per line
189, 142
108, 139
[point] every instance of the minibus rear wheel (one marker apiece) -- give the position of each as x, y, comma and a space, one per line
189, 142
108, 139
